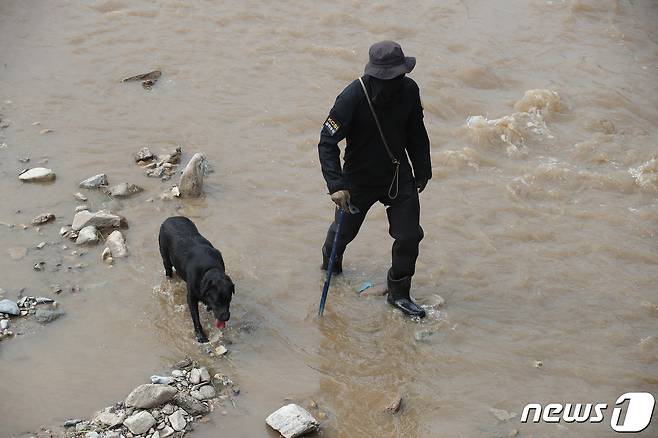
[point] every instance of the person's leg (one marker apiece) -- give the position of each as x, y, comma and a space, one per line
404, 226
349, 230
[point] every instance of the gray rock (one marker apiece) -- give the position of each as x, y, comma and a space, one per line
112, 434
195, 376
166, 432
45, 316
178, 373
292, 421
72, 422
502, 414
424, 334
9, 307
124, 190
168, 409
99, 219
37, 174
144, 154
204, 393
92, 434
156, 434
177, 421
163, 380
80, 208
88, 234
139, 422
43, 218
80, 197
4, 324
204, 374
150, 395
191, 405
191, 181
110, 419
95, 181
117, 244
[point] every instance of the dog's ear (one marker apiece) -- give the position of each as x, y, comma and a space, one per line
206, 282
231, 286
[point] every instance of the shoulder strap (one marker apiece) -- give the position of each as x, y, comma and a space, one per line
379, 127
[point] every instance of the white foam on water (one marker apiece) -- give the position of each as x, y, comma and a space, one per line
516, 130
646, 174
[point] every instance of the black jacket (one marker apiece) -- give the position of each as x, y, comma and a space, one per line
367, 163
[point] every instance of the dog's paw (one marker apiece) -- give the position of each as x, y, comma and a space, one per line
202, 339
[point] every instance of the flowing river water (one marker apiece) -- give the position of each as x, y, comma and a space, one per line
540, 221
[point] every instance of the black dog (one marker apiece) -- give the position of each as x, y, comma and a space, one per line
201, 266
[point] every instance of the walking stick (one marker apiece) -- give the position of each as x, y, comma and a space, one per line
332, 260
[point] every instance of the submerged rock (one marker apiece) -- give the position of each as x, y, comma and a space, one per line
191, 181
37, 174
9, 307
117, 244
292, 421
395, 405
45, 316
140, 422
123, 190
80, 197
43, 218
150, 395
95, 181
147, 79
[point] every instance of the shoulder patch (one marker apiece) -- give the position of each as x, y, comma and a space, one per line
331, 125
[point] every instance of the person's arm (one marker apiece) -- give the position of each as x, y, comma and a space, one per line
418, 143
334, 130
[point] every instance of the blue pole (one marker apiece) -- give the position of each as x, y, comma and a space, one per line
332, 260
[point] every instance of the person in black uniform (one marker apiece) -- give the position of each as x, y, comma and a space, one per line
376, 167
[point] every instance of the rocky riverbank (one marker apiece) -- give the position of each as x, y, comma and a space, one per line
168, 406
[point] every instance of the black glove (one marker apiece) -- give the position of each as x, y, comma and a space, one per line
420, 184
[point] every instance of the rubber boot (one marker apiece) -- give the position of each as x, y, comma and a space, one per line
398, 296
338, 263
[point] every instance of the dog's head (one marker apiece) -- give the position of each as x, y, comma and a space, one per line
217, 289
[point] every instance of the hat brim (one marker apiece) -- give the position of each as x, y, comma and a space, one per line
389, 72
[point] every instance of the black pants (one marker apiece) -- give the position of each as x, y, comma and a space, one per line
404, 224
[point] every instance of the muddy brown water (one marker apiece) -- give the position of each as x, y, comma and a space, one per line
542, 242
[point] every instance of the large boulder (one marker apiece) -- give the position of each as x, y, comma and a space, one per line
191, 181
37, 174
150, 395
292, 421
